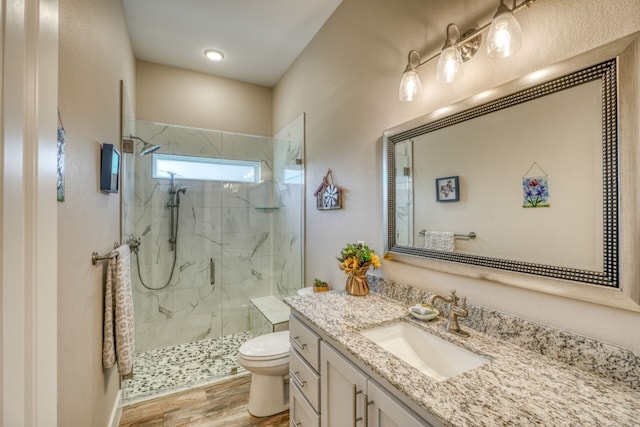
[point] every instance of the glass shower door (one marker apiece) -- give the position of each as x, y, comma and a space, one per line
225, 231
177, 292
247, 218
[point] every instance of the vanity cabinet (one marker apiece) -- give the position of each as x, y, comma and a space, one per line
301, 413
342, 389
328, 390
350, 398
304, 379
305, 342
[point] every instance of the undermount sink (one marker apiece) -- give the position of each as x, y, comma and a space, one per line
431, 355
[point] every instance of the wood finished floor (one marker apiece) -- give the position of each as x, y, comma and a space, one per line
221, 404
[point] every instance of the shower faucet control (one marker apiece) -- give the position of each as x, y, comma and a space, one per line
133, 242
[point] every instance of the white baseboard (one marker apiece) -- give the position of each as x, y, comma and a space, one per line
116, 411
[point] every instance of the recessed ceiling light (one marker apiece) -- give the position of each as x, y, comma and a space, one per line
214, 55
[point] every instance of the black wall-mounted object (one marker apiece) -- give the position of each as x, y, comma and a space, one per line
109, 169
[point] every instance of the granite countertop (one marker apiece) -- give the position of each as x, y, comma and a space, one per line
517, 387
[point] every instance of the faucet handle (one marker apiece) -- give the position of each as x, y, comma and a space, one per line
454, 298
464, 302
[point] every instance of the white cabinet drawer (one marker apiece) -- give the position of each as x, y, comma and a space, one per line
301, 414
305, 342
305, 378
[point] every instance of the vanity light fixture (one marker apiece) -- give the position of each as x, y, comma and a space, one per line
503, 40
505, 36
450, 62
214, 55
410, 85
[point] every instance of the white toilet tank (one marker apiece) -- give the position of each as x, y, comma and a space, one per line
305, 291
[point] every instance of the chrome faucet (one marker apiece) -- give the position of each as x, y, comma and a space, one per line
455, 311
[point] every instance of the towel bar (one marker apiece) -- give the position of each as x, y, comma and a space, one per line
95, 257
469, 236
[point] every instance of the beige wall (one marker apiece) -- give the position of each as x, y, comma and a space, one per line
180, 97
95, 54
346, 82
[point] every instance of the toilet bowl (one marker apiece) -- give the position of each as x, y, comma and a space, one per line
267, 358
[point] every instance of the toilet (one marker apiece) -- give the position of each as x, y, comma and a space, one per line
306, 291
267, 358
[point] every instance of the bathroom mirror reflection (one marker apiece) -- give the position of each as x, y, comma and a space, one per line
537, 181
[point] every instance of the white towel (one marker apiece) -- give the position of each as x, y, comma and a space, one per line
119, 333
440, 241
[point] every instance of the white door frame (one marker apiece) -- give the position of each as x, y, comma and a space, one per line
28, 212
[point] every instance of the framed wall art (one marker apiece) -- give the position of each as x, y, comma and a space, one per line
535, 189
328, 195
447, 189
60, 159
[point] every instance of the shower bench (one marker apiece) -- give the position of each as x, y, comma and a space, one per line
274, 310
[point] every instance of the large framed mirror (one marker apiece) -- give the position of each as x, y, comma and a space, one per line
521, 180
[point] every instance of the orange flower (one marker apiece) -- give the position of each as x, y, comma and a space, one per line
356, 258
349, 265
375, 261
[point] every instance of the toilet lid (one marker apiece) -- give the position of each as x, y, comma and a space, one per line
269, 346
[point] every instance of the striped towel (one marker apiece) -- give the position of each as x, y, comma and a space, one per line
119, 343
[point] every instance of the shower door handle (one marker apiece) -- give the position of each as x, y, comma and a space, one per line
212, 271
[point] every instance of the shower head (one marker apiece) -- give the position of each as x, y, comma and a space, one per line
182, 190
147, 147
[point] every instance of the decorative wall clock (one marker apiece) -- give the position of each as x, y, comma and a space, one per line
328, 195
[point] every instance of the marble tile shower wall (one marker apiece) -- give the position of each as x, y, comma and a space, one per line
223, 222
288, 228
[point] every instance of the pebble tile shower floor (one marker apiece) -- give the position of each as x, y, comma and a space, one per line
174, 368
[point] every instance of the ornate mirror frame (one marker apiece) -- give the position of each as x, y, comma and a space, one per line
618, 284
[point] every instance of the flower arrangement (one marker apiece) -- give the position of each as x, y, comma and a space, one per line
356, 258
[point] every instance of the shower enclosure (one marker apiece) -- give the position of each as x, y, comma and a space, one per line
215, 221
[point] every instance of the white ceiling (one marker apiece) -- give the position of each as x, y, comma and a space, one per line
259, 38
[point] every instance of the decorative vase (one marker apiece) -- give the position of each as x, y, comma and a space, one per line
320, 288
357, 283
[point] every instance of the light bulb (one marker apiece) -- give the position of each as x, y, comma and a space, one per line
449, 65
505, 36
410, 85
213, 54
